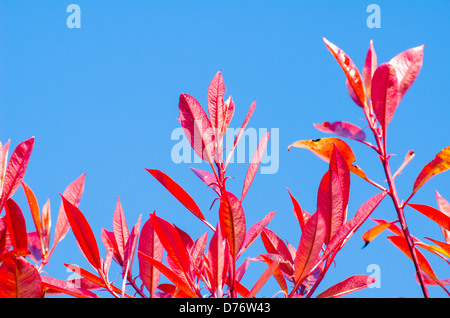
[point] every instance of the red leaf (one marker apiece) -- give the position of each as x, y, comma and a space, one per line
370, 65
217, 263
15, 170
197, 127
178, 192
172, 242
5, 240
342, 128
437, 216
180, 282
311, 242
384, 94
302, 216
216, 92
34, 207
350, 70
17, 228
19, 279
232, 221
401, 244
274, 245
407, 65
334, 190
3, 162
109, 241
73, 194
83, 233
254, 164
255, 230
228, 114
120, 228
350, 285
149, 244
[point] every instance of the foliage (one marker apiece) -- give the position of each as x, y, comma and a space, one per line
212, 265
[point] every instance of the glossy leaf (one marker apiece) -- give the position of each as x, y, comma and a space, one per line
73, 194
178, 192
5, 239
440, 163
149, 244
407, 65
323, 148
17, 228
228, 114
342, 128
83, 233
197, 127
130, 249
15, 169
19, 279
350, 285
437, 216
384, 94
369, 68
232, 221
254, 164
4, 149
350, 70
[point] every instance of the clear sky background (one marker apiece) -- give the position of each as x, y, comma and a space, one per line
103, 99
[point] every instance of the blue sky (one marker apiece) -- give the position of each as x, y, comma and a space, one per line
103, 99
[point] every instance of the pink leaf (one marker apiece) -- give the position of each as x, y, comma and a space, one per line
217, 262
15, 170
73, 194
384, 94
197, 127
342, 128
407, 66
130, 249
207, 178
369, 68
120, 228
302, 216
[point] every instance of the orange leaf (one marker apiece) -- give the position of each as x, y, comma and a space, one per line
323, 148
440, 163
